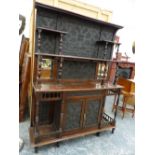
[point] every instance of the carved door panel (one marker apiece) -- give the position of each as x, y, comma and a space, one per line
92, 112
73, 114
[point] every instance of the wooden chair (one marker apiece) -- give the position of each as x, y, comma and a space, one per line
23, 49
128, 99
24, 84
24, 76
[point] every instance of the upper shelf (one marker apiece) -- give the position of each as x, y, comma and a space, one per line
60, 10
69, 57
108, 41
51, 30
75, 58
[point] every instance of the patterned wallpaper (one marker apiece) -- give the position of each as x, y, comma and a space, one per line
81, 38
78, 70
92, 112
73, 115
79, 41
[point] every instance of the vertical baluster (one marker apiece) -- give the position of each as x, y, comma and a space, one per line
61, 59
100, 70
60, 45
104, 79
37, 119
117, 102
109, 70
118, 47
39, 60
105, 66
105, 50
116, 75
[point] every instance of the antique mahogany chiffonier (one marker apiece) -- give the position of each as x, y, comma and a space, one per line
70, 78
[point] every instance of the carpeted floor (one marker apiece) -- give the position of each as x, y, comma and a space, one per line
122, 142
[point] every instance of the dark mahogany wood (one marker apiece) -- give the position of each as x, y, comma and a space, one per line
71, 103
51, 30
61, 58
77, 58
122, 64
23, 87
107, 41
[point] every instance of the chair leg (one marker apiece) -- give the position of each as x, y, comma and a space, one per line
98, 134
114, 104
123, 113
133, 114
123, 108
113, 129
36, 150
58, 144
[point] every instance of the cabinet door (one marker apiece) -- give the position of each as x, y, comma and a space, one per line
73, 114
92, 112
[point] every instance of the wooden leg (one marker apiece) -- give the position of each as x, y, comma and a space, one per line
36, 150
114, 104
98, 134
133, 114
113, 129
21, 116
117, 102
123, 108
58, 144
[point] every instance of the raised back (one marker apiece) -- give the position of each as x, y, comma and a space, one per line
86, 37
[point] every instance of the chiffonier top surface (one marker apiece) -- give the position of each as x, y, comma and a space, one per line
72, 87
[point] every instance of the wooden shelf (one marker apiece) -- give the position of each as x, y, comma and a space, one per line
66, 12
51, 30
50, 87
69, 57
52, 139
77, 58
107, 41
46, 131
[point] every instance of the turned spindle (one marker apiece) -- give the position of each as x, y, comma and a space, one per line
61, 59
37, 119
116, 75
39, 62
105, 50
104, 79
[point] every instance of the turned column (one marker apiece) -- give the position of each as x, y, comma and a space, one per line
37, 119
105, 73
105, 50
116, 75
61, 59
39, 59
117, 102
